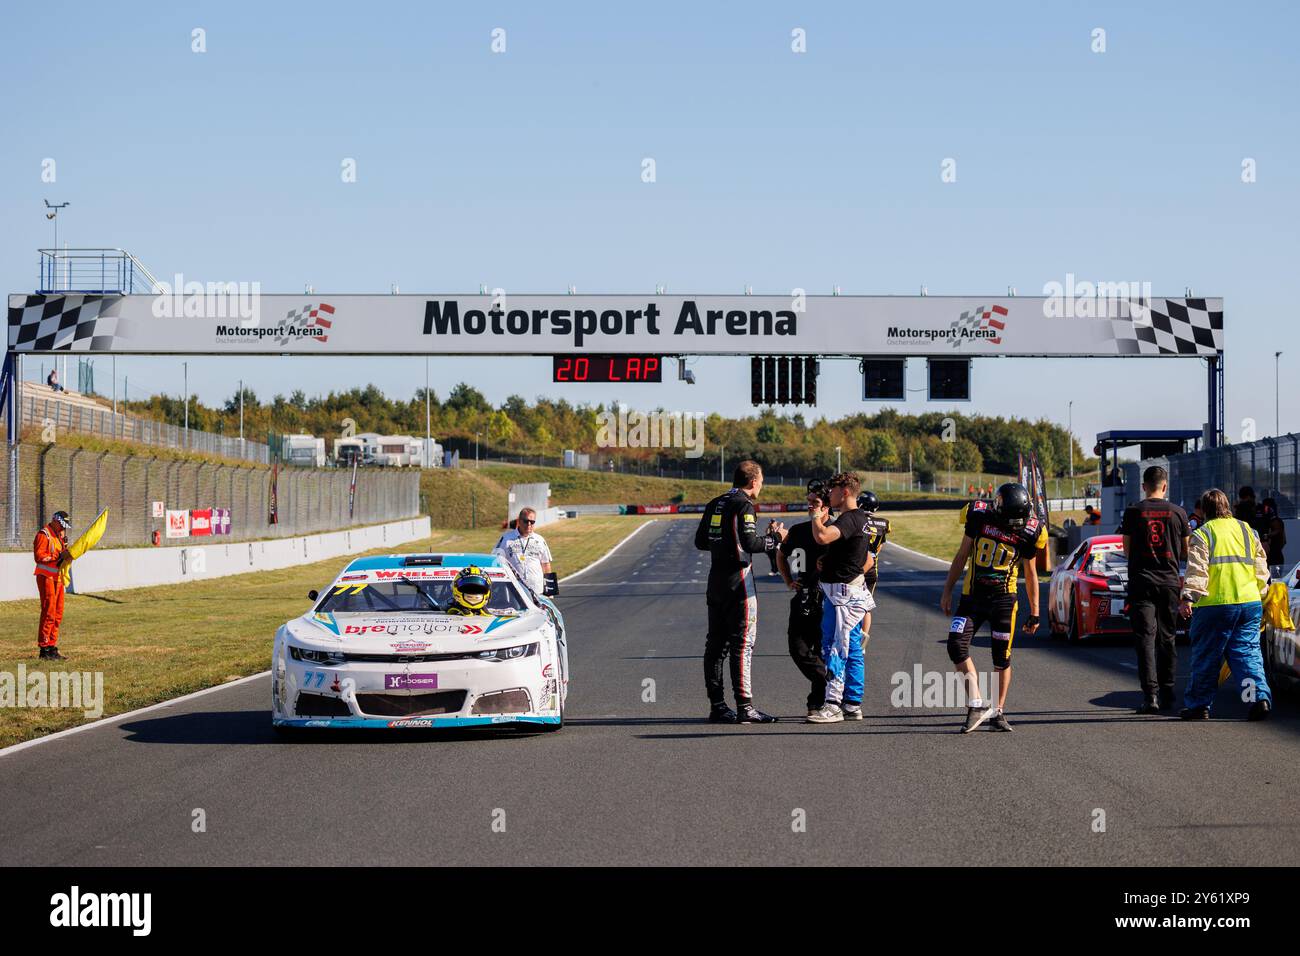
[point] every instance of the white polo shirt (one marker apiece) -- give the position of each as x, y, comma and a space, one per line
526, 556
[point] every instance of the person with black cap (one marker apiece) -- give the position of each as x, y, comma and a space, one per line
50, 550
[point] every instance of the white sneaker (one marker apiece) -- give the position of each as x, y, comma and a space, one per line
829, 714
852, 713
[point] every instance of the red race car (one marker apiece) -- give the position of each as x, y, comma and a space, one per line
1088, 591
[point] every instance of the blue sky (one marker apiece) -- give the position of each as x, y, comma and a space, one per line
775, 169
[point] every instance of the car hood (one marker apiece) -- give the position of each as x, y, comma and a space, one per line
412, 633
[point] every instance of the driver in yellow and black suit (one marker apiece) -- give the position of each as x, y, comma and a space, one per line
470, 591
1000, 538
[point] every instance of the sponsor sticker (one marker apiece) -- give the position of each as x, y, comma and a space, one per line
410, 646
411, 722
410, 682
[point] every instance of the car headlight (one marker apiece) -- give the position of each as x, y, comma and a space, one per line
329, 658
515, 653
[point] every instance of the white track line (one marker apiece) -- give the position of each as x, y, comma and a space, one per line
116, 718
929, 557
610, 552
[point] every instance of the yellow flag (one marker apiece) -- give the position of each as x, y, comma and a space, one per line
1277, 610
89, 538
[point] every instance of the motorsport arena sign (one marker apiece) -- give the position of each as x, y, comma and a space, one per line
949, 326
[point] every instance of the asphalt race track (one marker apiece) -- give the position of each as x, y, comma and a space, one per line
634, 782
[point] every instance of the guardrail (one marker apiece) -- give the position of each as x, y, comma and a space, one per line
101, 271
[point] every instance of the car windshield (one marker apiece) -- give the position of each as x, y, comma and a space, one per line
1104, 562
405, 595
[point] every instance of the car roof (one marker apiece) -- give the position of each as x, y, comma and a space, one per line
452, 560
1105, 539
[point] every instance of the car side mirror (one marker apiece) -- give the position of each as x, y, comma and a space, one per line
312, 595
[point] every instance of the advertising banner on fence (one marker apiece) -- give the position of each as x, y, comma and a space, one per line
221, 521
200, 521
1073, 318
178, 524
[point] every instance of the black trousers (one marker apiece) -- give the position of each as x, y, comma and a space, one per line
1153, 611
805, 636
733, 625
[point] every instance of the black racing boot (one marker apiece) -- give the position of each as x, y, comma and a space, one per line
1194, 713
749, 714
721, 714
1149, 706
1260, 710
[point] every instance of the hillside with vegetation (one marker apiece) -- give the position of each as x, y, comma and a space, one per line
788, 443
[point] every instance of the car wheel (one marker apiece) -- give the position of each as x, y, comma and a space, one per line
1073, 634
552, 728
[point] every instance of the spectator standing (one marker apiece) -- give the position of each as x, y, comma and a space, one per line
1155, 542
526, 551
728, 531
1227, 572
797, 559
1272, 530
1245, 508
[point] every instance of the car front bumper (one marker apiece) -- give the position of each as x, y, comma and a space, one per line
460, 693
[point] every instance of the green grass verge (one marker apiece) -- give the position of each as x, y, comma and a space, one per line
153, 644
938, 533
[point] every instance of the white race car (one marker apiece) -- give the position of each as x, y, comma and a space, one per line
378, 650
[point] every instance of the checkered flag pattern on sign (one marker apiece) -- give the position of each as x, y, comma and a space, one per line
310, 315
978, 318
65, 323
1167, 327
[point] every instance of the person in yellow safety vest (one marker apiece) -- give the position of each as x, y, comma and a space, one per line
1227, 573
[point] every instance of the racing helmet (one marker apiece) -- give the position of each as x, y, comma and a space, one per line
1013, 502
868, 502
471, 588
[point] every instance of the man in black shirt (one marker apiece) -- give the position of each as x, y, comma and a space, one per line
845, 600
728, 531
1155, 540
797, 560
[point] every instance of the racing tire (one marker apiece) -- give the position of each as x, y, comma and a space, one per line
1072, 634
552, 728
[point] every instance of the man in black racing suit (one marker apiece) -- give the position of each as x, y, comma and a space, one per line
728, 531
